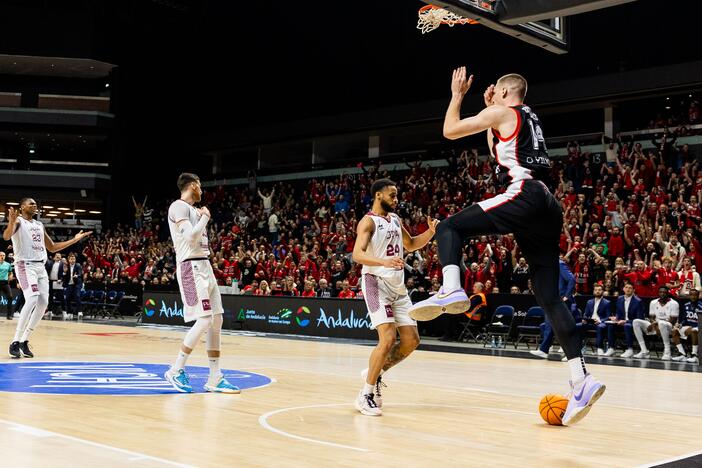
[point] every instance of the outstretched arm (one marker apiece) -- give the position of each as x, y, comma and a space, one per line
414, 243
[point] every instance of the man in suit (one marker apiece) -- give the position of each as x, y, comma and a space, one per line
72, 284
597, 310
628, 308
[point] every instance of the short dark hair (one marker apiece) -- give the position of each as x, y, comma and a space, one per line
23, 200
663, 286
71, 255
185, 178
379, 185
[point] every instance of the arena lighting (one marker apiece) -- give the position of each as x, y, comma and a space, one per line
12, 203
63, 209
95, 212
51, 215
31, 151
47, 207
55, 212
78, 210
69, 213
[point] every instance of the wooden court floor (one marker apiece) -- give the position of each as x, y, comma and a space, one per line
441, 409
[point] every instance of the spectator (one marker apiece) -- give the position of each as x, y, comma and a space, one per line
597, 310
324, 289
5, 278
629, 308
346, 292
308, 290
688, 326
663, 313
72, 285
267, 201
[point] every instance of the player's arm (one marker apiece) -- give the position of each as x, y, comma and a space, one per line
193, 233
417, 242
11, 224
364, 232
52, 246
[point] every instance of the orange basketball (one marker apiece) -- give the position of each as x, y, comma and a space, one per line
552, 407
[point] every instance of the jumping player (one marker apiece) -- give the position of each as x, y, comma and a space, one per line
30, 243
379, 248
198, 288
526, 209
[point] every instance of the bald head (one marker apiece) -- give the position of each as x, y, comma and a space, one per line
511, 85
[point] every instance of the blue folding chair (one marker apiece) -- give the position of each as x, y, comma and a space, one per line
530, 329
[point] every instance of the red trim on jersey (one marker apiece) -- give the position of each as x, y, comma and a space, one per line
386, 218
516, 129
521, 185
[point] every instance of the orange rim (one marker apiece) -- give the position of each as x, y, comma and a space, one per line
461, 21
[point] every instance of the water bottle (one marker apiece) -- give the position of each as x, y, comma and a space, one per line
499, 342
492, 342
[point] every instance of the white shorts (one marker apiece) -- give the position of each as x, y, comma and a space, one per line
32, 278
384, 304
198, 289
683, 331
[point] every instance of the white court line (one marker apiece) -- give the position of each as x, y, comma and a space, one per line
44, 433
263, 420
671, 460
461, 389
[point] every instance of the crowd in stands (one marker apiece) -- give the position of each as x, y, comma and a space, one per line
630, 215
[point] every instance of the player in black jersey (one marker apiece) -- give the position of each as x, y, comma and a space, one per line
526, 208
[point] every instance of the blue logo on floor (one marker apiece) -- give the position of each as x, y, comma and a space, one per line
108, 378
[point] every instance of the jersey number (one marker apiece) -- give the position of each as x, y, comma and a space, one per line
393, 250
537, 136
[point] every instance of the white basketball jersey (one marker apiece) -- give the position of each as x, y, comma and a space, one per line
386, 242
184, 249
28, 241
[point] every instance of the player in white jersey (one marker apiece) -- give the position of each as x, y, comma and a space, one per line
198, 287
30, 243
379, 248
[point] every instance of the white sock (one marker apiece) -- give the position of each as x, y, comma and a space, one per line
680, 348
694, 349
452, 277
368, 389
180, 361
577, 369
215, 372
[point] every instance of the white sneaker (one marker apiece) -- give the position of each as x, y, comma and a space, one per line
628, 353
560, 349
565, 359
377, 393
539, 353
681, 358
609, 352
642, 355
600, 352
665, 357
693, 360
366, 405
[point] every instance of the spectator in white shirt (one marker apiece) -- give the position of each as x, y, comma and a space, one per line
663, 313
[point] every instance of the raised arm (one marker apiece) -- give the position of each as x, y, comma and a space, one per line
52, 246
11, 224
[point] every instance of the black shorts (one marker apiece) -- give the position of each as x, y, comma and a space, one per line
528, 210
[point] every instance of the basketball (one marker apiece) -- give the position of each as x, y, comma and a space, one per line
552, 407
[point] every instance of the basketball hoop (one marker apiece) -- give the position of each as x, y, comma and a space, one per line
432, 16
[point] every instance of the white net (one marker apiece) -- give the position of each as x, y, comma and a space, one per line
432, 18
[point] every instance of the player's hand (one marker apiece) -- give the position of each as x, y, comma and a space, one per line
488, 95
82, 235
12, 214
459, 83
204, 211
433, 223
395, 263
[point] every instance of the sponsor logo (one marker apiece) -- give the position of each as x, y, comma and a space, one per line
388, 311
149, 307
108, 378
35, 288
206, 304
339, 321
301, 315
170, 312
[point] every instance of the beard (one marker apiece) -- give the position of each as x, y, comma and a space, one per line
387, 207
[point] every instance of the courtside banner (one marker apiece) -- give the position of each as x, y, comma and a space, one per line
334, 318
